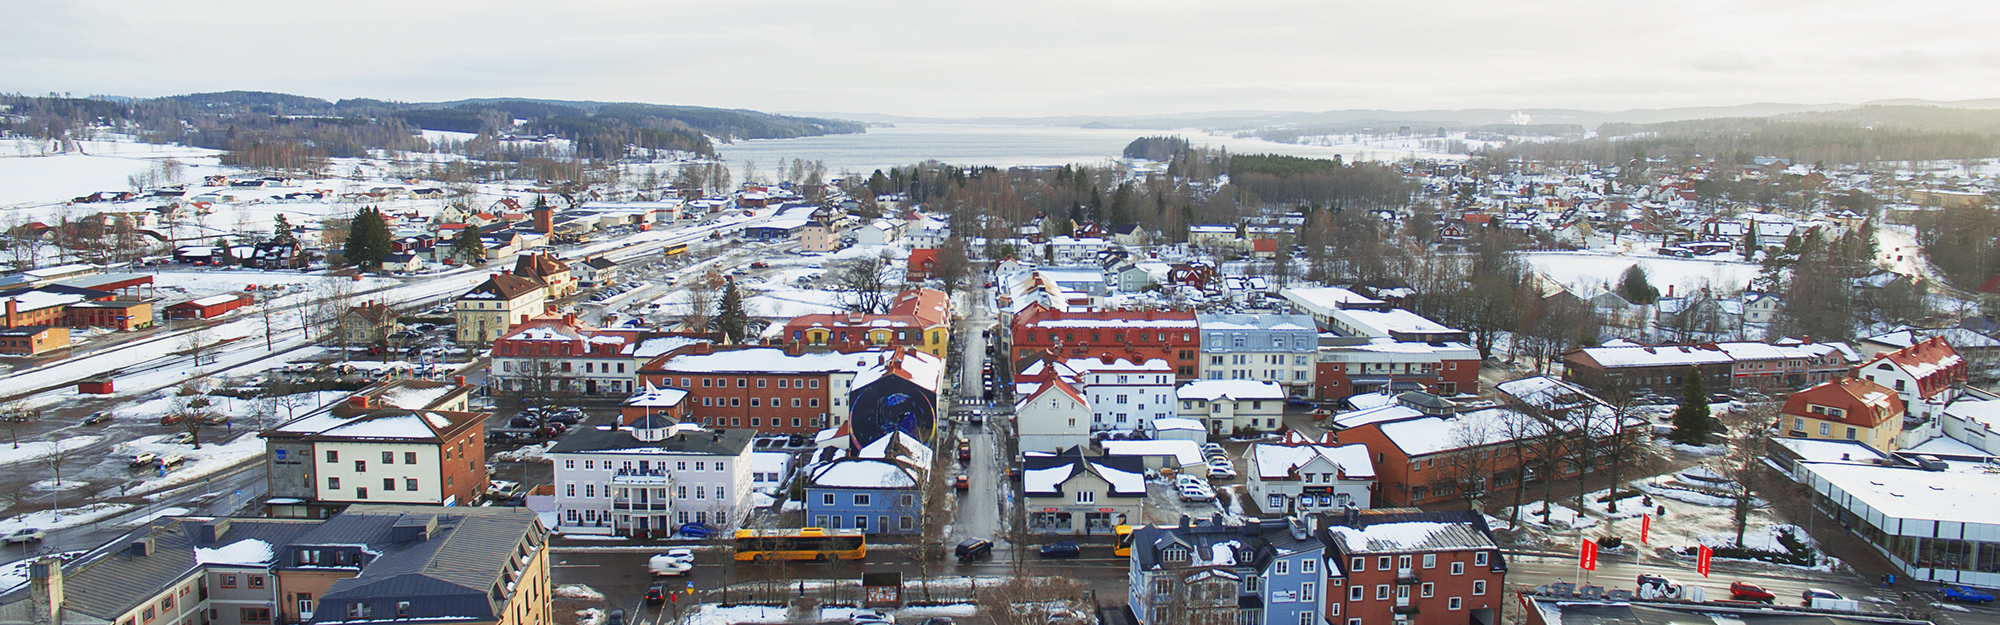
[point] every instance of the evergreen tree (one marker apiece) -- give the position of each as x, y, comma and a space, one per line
467, 246
1691, 420
1635, 288
1750, 243
367, 239
730, 319
281, 231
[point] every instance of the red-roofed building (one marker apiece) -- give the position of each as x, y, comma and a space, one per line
1845, 409
1264, 248
922, 264
556, 356
919, 319
1922, 375
1136, 335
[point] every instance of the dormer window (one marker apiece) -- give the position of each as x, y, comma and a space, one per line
1174, 554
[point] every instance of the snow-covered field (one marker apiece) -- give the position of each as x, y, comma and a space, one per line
65, 517
200, 463
27, 177
1591, 272
37, 450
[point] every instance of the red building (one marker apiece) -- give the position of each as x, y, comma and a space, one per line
553, 355
772, 390
1138, 335
922, 264
919, 319
1406, 565
208, 307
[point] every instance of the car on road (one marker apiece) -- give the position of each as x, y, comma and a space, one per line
760, 265
1061, 549
617, 617
675, 562
696, 530
656, 593
1823, 594
97, 418
1745, 591
1966, 594
937, 620
972, 549
25, 535
962, 484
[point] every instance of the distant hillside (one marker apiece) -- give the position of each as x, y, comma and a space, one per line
463, 115
254, 100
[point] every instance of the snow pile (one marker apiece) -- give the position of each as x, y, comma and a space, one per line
527, 453
590, 616
162, 513
1560, 517
200, 463
1708, 450
66, 517
1630, 505
579, 591
40, 449
246, 552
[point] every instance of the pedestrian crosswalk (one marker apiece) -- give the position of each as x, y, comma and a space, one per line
971, 401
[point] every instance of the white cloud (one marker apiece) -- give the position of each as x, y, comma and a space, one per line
1033, 57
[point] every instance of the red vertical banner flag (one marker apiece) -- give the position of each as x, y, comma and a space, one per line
1588, 559
1701, 560
1645, 527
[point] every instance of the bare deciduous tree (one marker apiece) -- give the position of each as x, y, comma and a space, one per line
863, 284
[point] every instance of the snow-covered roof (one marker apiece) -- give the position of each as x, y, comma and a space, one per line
657, 398
1971, 496
1122, 324
1394, 321
862, 473
1324, 300
246, 552
767, 360
1301, 323
413, 398
1411, 536
1377, 414
1213, 390
1186, 453
1177, 423
216, 299
1429, 435
1275, 462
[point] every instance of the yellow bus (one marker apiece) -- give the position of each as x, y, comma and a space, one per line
1124, 548
676, 248
806, 543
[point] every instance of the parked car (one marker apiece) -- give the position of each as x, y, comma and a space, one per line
972, 549
1745, 591
144, 459
25, 535
962, 484
617, 617
1966, 594
1062, 549
1196, 493
183, 438
1221, 470
1208, 448
696, 530
656, 593
171, 460
871, 617
97, 418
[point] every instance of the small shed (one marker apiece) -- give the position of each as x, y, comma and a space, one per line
882, 590
208, 307
97, 386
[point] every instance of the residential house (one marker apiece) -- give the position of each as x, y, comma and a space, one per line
879, 490
1927, 377
1267, 348
488, 310
1270, 572
918, 318
597, 270
1129, 235
1405, 565
651, 477
1846, 409
371, 323
819, 237
1075, 493
372, 449
922, 264
1233, 406
551, 272
880, 232
1124, 396
1299, 474
549, 355
1760, 307
1214, 236
1055, 416
402, 262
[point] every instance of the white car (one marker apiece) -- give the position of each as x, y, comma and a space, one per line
1208, 448
674, 562
1221, 470
1185, 480
1196, 493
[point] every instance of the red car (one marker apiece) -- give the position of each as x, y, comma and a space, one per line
963, 484
1744, 591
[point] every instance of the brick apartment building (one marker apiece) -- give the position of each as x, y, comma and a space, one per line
771, 390
1409, 566
1443, 369
1137, 335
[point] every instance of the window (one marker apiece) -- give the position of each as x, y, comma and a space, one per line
388, 457
305, 604
718, 493
1309, 565
1308, 591
1458, 568
1455, 603
1281, 567
402, 609
861, 499
360, 492
332, 456
860, 522
148, 614
1381, 592
1402, 562
1382, 563
1428, 589
1085, 496
228, 580
360, 610
1479, 558
1850, 433
409, 457
1357, 565
1306, 618
167, 603
409, 483
907, 522
1354, 592
256, 615
361, 466
1825, 429
333, 483
569, 464
1430, 560
1478, 586
824, 498
388, 484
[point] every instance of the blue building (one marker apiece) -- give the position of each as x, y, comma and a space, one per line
1270, 572
878, 489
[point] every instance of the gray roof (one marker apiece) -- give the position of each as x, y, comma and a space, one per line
110, 581
731, 442
472, 550
1257, 543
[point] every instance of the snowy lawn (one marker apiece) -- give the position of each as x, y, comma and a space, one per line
199, 463
40, 449
1560, 517
65, 517
579, 591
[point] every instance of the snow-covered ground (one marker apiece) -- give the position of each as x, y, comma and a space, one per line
39, 449
1593, 271
198, 464
65, 517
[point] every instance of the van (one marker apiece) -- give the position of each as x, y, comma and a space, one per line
973, 549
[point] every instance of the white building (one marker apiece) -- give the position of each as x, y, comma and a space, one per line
1268, 348
1125, 396
1300, 475
1231, 405
650, 478
1178, 429
881, 232
1055, 416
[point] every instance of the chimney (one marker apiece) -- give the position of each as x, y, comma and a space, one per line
1216, 520
212, 531
46, 583
12, 312
1186, 521
140, 548
358, 401
458, 380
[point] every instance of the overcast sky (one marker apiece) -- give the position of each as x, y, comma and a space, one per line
947, 58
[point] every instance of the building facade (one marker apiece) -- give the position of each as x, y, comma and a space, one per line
485, 312
1230, 406
1266, 348
650, 478
1137, 335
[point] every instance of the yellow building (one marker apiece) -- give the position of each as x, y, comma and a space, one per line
485, 312
1846, 409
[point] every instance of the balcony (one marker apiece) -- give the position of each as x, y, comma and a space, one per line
1406, 575
1404, 606
639, 504
636, 477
